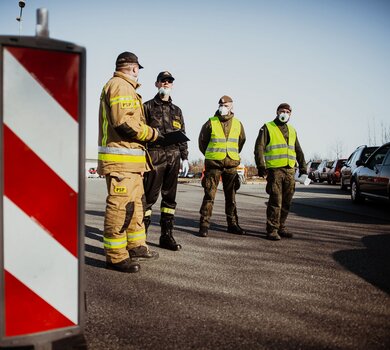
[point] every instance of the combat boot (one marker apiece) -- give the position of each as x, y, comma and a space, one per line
236, 229
126, 265
203, 231
284, 233
142, 253
166, 239
273, 236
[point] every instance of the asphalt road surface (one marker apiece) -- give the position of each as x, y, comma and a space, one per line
327, 288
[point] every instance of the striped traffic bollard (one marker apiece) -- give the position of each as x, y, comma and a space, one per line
42, 188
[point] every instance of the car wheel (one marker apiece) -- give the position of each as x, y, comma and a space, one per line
355, 193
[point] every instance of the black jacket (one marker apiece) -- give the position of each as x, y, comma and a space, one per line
166, 117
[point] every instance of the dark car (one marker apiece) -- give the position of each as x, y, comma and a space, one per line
312, 167
371, 179
359, 154
334, 172
321, 173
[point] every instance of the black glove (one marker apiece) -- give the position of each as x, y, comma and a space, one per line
160, 136
302, 172
262, 171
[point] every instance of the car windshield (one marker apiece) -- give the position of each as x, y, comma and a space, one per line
314, 166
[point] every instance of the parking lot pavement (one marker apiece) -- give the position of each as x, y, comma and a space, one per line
327, 288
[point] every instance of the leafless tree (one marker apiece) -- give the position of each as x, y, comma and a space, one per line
197, 165
338, 149
385, 129
376, 136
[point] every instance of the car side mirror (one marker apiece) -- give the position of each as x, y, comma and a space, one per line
359, 162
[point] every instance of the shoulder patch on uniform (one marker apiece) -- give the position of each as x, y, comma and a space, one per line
176, 124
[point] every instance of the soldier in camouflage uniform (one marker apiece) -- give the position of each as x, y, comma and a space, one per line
221, 140
277, 150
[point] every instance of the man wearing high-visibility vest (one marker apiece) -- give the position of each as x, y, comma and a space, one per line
122, 159
221, 140
277, 150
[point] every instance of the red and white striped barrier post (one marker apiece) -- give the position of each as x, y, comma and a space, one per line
42, 127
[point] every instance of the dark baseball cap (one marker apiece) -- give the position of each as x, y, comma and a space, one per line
225, 99
127, 57
284, 106
164, 75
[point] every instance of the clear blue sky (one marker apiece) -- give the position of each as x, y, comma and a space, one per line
328, 59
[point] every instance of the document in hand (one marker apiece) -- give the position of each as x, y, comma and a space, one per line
173, 137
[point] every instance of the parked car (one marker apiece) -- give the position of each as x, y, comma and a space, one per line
311, 167
361, 153
372, 178
334, 172
92, 173
321, 173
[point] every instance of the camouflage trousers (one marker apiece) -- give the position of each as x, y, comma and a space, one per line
210, 183
123, 222
281, 188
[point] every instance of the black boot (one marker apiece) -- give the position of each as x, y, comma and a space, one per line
126, 265
236, 229
203, 231
166, 239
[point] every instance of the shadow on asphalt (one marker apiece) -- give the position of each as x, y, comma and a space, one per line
326, 189
372, 264
343, 210
95, 234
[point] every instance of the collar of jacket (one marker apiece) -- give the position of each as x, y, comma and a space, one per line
157, 99
224, 118
127, 78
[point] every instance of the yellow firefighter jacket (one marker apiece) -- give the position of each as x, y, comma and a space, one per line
122, 129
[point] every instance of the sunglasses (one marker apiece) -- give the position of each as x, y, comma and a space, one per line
170, 81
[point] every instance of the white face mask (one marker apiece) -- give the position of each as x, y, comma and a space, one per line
223, 110
164, 91
284, 117
133, 77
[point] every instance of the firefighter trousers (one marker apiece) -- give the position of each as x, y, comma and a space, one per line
123, 222
162, 179
281, 188
210, 183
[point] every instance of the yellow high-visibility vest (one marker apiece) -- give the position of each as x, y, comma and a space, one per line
278, 153
220, 146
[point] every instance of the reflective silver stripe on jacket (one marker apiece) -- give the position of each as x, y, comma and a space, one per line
116, 150
217, 140
280, 156
216, 150
270, 148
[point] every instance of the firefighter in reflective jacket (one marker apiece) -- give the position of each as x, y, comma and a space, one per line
277, 150
221, 140
162, 114
122, 159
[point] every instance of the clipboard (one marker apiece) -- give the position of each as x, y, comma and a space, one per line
173, 137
